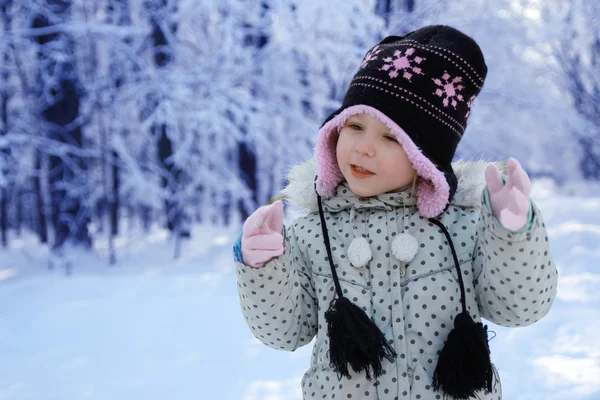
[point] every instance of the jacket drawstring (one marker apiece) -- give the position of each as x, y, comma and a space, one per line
354, 339
464, 366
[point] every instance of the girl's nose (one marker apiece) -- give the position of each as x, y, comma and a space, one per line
365, 146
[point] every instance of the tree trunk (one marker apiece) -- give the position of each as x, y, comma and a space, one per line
113, 199
42, 226
6, 22
386, 8
247, 168
69, 218
171, 182
118, 12
247, 162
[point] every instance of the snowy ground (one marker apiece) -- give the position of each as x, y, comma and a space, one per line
151, 328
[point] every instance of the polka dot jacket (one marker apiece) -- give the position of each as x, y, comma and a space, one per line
510, 279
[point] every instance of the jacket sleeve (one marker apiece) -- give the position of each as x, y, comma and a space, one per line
278, 300
515, 276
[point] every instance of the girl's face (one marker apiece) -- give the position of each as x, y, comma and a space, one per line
365, 143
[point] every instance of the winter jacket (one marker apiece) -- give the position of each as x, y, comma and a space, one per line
510, 279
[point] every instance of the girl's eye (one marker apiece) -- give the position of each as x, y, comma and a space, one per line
392, 138
355, 127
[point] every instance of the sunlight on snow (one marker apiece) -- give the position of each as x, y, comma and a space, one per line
274, 390
569, 227
579, 287
530, 11
221, 240
581, 372
253, 347
574, 360
7, 273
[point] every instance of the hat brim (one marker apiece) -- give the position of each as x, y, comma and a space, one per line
434, 189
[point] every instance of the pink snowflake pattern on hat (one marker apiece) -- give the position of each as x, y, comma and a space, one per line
371, 55
406, 62
448, 89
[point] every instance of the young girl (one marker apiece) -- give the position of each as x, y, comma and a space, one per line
402, 252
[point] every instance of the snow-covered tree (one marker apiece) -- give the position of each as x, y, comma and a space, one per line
264, 77
119, 114
520, 111
300, 75
577, 49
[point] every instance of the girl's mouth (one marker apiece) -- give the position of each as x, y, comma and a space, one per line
359, 172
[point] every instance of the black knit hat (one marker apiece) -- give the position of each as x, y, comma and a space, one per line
423, 84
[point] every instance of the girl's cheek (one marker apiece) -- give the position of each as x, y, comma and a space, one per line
346, 145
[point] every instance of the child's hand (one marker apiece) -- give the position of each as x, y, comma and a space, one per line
510, 202
261, 237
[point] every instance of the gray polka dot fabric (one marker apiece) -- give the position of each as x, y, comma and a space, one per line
509, 279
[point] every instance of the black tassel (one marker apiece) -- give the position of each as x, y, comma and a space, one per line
464, 366
354, 339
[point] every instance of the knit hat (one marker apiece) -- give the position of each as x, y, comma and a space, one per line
422, 86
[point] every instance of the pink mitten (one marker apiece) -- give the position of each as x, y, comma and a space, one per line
261, 237
510, 201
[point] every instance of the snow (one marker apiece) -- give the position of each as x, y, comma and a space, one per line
153, 328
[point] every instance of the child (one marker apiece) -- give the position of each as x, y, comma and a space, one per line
393, 281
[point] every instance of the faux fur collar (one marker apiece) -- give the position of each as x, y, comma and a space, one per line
300, 190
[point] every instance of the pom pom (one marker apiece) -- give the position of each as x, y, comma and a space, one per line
405, 247
464, 366
355, 339
359, 252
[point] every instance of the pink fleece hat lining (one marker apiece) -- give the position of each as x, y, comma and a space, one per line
433, 189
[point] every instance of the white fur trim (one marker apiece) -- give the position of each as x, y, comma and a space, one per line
471, 181
405, 247
470, 175
301, 188
359, 252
